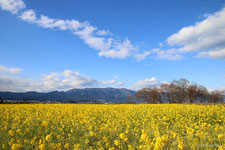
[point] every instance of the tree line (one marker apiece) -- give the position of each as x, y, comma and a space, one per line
179, 91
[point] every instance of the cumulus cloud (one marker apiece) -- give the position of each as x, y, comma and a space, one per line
147, 83
29, 16
120, 50
15, 84
4, 69
12, 6
206, 37
171, 54
100, 40
63, 81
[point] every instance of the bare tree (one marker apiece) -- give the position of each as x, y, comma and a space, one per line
216, 97
130, 99
168, 92
193, 93
203, 95
150, 95
180, 89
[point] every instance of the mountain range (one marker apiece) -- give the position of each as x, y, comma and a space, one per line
87, 95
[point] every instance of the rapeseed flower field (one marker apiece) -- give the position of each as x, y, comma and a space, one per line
111, 127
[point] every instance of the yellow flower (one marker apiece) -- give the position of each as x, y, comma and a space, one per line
58, 145
144, 137
140, 146
66, 145
220, 136
11, 132
117, 142
19, 131
180, 147
16, 146
130, 147
190, 130
165, 138
42, 146
91, 133
77, 146
123, 137
86, 141
45, 123
48, 137
107, 144
40, 141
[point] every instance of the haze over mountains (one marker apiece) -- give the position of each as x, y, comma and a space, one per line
89, 95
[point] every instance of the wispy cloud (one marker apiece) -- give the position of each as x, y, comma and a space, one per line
101, 40
171, 54
216, 54
4, 69
111, 82
143, 55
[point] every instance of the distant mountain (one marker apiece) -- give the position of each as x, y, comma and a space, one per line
92, 95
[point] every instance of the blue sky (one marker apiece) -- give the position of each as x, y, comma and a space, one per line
59, 45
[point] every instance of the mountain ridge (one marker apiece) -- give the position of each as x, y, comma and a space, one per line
109, 95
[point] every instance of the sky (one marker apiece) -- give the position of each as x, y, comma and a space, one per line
61, 45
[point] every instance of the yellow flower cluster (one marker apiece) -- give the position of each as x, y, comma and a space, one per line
111, 127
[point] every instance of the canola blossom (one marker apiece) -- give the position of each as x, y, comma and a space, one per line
111, 127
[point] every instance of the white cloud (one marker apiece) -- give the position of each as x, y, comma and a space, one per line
207, 36
142, 56
116, 77
119, 83
160, 44
12, 6
103, 32
63, 81
75, 79
15, 84
171, 54
221, 89
107, 82
120, 50
29, 16
4, 69
98, 43
216, 54
111, 82
46, 22
147, 83
100, 40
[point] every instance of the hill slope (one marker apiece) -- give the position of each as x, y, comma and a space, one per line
111, 95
